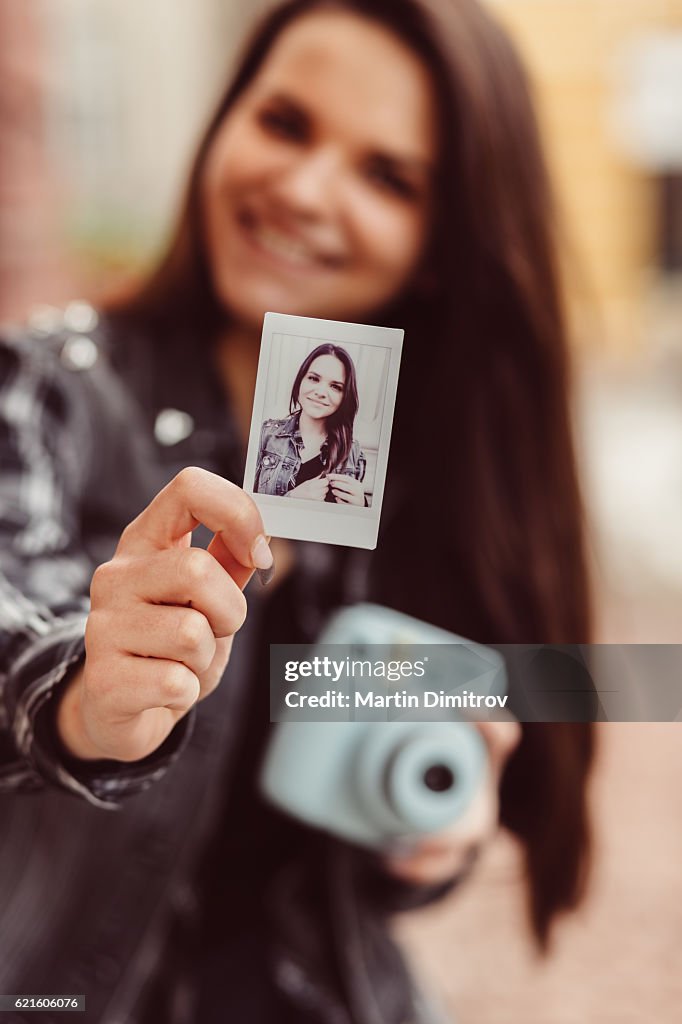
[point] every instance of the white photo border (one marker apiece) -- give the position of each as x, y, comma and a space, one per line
305, 520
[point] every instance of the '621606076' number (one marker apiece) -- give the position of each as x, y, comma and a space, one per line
42, 1002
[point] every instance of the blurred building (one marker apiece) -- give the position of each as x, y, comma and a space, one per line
31, 251
609, 81
101, 106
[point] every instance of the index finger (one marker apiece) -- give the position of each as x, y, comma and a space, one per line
196, 496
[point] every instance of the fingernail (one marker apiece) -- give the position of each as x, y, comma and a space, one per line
262, 558
261, 555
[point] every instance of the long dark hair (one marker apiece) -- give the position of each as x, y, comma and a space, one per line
340, 424
482, 415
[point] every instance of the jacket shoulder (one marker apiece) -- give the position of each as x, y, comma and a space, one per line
69, 341
272, 426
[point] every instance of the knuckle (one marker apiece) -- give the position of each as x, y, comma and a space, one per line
197, 566
103, 582
177, 684
188, 479
203, 663
191, 631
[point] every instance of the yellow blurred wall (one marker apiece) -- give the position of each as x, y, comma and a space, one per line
608, 205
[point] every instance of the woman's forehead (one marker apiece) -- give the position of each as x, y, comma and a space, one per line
355, 75
328, 366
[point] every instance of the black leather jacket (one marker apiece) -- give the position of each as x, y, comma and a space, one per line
89, 887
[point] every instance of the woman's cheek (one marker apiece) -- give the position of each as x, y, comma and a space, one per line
238, 159
392, 241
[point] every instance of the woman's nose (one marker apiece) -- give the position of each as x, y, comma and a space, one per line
308, 185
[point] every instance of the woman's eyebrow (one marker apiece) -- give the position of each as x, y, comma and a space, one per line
404, 161
407, 161
287, 100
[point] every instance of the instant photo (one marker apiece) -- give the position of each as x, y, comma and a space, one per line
321, 428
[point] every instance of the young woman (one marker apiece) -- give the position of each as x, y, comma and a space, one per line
372, 160
312, 454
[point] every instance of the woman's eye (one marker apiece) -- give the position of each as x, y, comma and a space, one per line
313, 378
283, 123
387, 177
337, 387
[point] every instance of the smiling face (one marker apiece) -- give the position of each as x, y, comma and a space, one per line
317, 188
321, 391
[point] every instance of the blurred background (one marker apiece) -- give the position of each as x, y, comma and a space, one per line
99, 109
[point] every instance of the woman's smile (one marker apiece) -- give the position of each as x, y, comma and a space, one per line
287, 246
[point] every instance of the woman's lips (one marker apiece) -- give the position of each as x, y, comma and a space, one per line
284, 247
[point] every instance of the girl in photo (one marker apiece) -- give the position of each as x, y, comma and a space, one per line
312, 453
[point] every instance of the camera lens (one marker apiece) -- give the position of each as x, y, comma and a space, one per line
439, 778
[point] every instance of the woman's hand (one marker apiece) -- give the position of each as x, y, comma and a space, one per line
346, 489
162, 618
437, 858
312, 490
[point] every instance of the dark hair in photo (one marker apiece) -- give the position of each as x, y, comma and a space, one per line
483, 456
340, 423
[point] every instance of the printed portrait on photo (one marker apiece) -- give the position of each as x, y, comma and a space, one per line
313, 452
320, 435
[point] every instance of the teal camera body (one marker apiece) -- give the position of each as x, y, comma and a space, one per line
377, 783
374, 782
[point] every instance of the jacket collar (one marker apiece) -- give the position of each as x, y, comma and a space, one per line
290, 427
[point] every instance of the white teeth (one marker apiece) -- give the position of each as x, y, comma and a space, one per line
283, 245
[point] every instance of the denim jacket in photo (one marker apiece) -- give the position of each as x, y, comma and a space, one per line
279, 457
